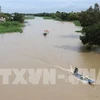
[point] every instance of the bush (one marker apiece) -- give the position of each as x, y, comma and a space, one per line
18, 17
8, 27
90, 21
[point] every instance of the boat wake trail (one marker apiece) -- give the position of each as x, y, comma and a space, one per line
69, 70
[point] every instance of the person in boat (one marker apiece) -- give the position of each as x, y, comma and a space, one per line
76, 71
45, 32
81, 77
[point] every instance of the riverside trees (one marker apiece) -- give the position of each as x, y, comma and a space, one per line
18, 17
90, 21
13, 23
63, 16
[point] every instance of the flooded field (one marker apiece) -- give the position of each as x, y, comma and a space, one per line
31, 50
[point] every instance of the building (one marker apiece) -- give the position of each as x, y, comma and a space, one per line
1, 18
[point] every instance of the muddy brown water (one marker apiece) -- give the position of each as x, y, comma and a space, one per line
32, 50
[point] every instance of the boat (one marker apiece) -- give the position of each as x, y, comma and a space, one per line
45, 32
83, 78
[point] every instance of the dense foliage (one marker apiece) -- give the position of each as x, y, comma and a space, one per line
63, 16
8, 27
90, 21
12, 23
18, 17
13, 17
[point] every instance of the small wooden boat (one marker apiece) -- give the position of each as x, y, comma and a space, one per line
83, 78
45, 32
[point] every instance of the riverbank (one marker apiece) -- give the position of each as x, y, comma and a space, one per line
76, 22
29, 17
8, 27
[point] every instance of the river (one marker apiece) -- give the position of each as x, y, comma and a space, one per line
32, 50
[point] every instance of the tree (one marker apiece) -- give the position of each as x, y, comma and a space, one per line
18, 17
90, 21
73, 16
63, 16
91, 35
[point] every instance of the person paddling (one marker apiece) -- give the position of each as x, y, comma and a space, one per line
45, 32
76, 71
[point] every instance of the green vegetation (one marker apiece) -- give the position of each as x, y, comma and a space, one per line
77, 23
18, 17
8, 27
13, 22
90, 21
13, 17
61, 16
79, 31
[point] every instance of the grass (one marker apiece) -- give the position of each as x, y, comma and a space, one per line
9, 27
77, 23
